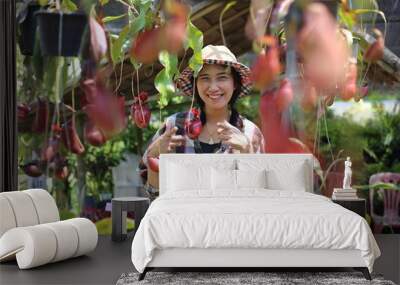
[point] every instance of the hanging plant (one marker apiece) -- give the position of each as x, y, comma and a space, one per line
98, 40
140, 112
93, 135
267, 66
71, 139
104, 109
193, 125
41, 120
33, 168
61, 29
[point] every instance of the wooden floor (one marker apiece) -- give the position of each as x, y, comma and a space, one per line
111, 259
103, 266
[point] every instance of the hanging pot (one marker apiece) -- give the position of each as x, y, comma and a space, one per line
27, 29
60, 33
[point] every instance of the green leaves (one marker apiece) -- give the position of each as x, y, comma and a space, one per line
129, 31
69, 5
43, 2
346, 18
195, 42
117, 53
164, 81
138, 24
54, 78
379, 185
104, 2
112, 18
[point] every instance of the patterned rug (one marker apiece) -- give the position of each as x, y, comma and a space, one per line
243, 278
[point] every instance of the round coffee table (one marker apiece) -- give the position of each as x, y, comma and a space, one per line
120, 207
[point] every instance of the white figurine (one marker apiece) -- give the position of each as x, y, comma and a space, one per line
347, 174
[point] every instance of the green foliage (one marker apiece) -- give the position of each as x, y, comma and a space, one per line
164, 81
117, 53
66, 214
342, 137
195, 42
104, 226
248, 107
112, 18
98, 161
382, 136
69, 5
373, 147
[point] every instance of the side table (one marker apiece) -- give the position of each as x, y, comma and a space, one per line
356, 205
120, 207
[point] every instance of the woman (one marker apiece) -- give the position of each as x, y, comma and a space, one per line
221, 81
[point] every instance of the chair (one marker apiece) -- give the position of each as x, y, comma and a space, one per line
391, 201
31, 231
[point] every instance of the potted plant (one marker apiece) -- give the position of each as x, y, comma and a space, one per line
61, 29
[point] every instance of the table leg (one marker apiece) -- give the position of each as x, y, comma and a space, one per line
124, 231
116, 216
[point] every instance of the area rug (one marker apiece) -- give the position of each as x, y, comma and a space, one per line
243, 278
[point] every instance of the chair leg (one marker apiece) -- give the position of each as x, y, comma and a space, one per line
364, 271
143, 274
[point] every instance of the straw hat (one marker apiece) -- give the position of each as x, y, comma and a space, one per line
216, 55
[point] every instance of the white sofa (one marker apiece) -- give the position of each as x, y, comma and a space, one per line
247, 210
31, 231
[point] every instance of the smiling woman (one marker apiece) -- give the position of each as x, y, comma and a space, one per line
217, 127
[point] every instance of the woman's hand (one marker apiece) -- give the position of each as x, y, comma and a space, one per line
167, 142
233, 137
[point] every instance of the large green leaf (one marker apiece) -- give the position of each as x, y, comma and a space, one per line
137, 24
117, 53
43, 2
164, 81
69, 5
195, 42
170, 62
346, 18
38, 61
112, 18
87, 5
140, 21
165, 86
53, 78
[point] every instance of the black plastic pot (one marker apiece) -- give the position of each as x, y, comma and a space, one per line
61, 34
27, 30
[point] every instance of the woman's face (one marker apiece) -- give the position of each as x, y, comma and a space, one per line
215, 86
